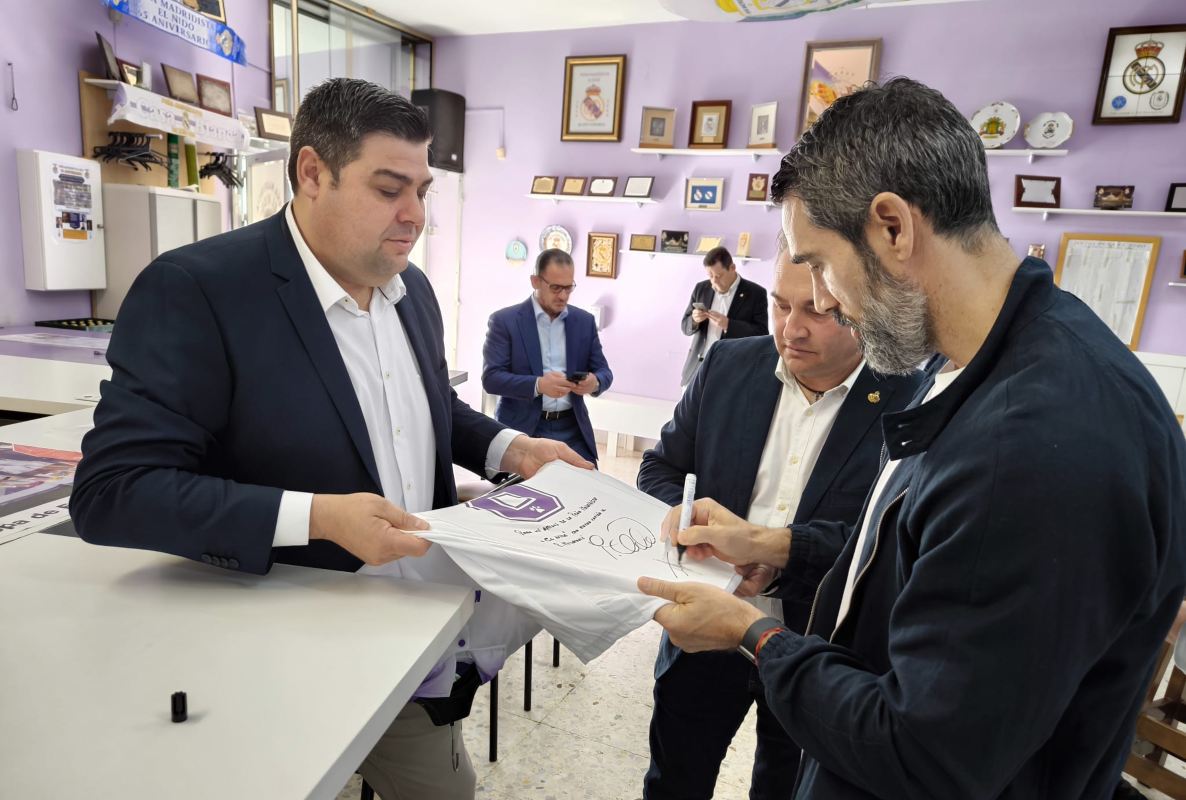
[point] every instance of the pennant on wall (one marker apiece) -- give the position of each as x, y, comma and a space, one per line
172, 17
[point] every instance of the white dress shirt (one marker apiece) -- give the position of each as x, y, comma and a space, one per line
553, 343
720, 303
942, 381
797, 435
387, 382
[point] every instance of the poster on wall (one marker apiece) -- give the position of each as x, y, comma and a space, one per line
832, 70
1142, 76
593, 98
1112, 275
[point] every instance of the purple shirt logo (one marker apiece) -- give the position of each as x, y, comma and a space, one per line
519, 503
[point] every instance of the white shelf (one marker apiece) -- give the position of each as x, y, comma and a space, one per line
769, 206
164, 114
1179, 284
653, 253
1098, 212
1028, 155
753, 152
583, 198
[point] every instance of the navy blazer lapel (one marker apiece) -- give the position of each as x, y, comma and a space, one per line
530, 334
856, 415
438, 406
300, 301
762, 391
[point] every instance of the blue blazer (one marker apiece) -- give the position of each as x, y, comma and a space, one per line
227, 388
512, 361
719, 431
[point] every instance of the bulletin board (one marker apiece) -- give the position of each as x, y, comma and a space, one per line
1112, 275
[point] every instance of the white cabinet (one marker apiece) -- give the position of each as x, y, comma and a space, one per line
141, 223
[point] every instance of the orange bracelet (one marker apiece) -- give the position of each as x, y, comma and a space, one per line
765, 638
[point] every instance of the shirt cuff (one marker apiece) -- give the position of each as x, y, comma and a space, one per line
292, 520
498, 449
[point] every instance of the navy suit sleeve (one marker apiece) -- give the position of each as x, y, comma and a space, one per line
755, 322
686, 324
472, 434
815, 546
148, 478
597, 363
661, 474
497, 377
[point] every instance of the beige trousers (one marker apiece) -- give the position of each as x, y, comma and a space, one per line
414, 760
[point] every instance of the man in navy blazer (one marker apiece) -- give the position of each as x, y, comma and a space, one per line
280, 392
776, 429
532, 350
725, 306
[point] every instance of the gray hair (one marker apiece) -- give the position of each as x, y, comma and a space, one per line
901, 137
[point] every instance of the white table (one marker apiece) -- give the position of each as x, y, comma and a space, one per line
46, 386
291, 677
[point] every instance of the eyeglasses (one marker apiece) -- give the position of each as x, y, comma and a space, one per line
556, 288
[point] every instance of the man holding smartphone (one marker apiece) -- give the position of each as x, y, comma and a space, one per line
543, 356
726, 306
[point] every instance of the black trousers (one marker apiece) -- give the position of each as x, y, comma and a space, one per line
700, 702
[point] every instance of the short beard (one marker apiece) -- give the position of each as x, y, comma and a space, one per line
896, 330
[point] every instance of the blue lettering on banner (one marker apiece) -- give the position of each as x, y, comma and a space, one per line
172, 17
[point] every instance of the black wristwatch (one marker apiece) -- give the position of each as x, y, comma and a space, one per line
753, 635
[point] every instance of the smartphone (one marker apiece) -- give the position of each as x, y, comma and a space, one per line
700, 306
576, 377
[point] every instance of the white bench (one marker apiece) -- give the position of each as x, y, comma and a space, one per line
629, 415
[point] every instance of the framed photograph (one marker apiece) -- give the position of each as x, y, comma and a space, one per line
644, 242
215, 95
603, 255
658, 127
832, 70
208, 8
1036, 251
707, 243
180, 84
110, 62
1142, 78
603, 187
1183, 273
1037, 191
704, 194
573, 186
761, 125
673, 241
593, 98
742, 245
1111, 274
757, 188
638, 186
710, 123
544, 184
267, 188
129, 73
273, 124
1113, 197
1176, 201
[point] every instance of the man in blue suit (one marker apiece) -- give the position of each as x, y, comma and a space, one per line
543, 356
280, 393
776, 429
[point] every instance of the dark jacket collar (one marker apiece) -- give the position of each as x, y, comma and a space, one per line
910, 432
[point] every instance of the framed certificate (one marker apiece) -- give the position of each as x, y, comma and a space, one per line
1111, 274
593, 98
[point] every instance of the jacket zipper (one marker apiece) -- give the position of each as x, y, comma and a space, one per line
872, 557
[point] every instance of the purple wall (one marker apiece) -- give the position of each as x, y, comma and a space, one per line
1039, 56
49, 41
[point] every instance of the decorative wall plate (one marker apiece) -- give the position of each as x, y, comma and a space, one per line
556, 237
997, 123
1049, 129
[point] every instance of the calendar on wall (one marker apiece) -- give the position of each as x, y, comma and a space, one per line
1112, 275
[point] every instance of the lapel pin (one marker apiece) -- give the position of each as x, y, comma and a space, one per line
874, 397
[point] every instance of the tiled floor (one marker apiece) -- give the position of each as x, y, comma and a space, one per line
585, 737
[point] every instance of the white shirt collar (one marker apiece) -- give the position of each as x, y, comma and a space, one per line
540, 310
787, 379
329, 291
732, 290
